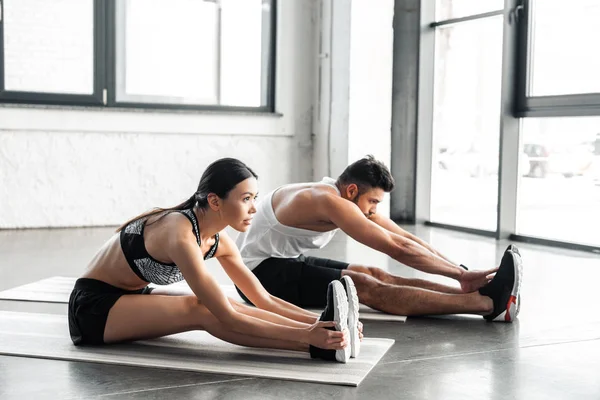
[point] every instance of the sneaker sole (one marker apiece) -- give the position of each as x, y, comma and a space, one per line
340, 317
353, 306
513, 305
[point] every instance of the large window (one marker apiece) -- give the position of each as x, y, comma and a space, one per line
559, 196
515, 112
139, 53
466, 118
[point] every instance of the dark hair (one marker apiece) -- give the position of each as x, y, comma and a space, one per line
367, 173
219, 178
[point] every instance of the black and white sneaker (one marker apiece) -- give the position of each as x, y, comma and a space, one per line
352, 315
504, 289
336, 310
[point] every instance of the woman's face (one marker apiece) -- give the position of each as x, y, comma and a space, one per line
239, 206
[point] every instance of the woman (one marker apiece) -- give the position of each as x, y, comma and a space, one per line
111, 302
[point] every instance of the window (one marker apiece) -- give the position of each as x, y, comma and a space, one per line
139, 53
558, 65
468, 64
559, 194
49, 46
175, 64
563, 39
515, 120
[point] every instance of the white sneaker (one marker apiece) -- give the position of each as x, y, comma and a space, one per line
336, 310
353, 305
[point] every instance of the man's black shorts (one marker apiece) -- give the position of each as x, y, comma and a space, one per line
301, 281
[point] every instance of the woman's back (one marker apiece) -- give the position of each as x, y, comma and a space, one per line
111, 265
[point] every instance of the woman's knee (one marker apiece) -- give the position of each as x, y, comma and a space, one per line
197, 313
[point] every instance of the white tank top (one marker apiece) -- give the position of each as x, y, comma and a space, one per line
267, 237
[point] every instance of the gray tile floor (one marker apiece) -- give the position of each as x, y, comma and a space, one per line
551, 352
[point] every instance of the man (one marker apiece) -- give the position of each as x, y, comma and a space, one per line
298, 217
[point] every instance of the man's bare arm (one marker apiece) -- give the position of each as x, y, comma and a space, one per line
348, 217
391, 226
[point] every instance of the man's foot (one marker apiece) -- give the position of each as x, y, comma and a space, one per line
504, 289
336, 310
514, 249
352, 315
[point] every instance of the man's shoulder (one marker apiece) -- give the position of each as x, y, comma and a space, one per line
323, 193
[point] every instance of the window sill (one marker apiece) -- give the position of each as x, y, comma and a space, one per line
48, 118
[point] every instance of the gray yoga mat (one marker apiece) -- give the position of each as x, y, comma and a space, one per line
58, 288
47, 336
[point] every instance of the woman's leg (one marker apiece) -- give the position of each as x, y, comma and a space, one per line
142, 317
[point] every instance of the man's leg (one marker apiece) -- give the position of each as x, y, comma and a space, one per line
390, 279
316, 273
412, 301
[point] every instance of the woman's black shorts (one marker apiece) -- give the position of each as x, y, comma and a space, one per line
89, 304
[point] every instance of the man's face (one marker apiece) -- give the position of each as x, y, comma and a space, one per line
367, 200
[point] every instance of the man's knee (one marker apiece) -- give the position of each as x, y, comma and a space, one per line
375, 272
365, 284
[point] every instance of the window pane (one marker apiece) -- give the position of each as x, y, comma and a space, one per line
49, 46
170, 51
466, 124
449, 9
564, 36
242, 50
559, 198
205, 52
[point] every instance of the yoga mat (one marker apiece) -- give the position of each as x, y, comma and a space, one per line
47, 336
58, 288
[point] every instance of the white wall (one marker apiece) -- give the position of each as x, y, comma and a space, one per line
62, 167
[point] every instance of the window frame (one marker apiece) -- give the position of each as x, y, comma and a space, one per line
104, 92
425, 201
29, 97
569, 105
515, 107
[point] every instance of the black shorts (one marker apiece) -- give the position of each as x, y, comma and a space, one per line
301, 281
89, 304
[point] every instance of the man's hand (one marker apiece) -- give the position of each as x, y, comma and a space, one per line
360, 331
471, 281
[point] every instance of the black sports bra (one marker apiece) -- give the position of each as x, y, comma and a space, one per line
142, 263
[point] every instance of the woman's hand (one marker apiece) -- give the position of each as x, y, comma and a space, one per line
360, 331
327, 339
